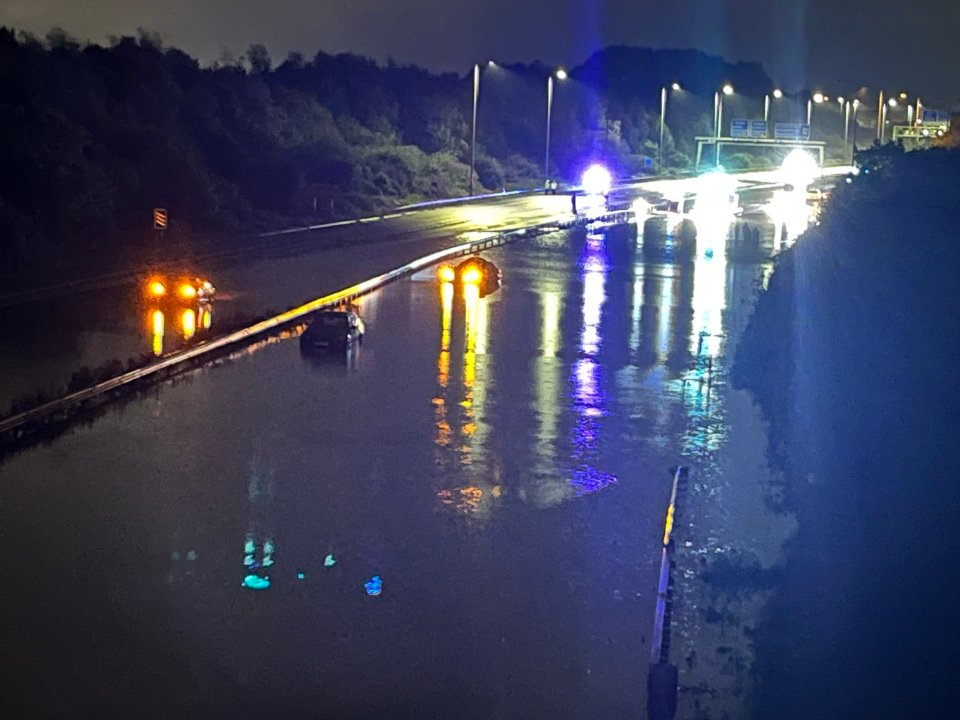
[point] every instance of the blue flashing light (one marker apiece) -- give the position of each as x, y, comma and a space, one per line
596, 180
300, 576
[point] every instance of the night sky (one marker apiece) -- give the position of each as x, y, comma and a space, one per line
836, 45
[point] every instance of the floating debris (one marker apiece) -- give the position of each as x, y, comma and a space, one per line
255, 582
329, 561
374, 586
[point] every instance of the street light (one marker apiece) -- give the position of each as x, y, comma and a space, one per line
777, 94
853, 143
560, 74
880, 117
663, 113
891, 103
473, 135
727, 89
818, 97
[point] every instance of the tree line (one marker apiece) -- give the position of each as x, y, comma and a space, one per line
94, 136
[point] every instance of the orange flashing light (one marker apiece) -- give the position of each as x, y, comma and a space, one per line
446, 273
472, 275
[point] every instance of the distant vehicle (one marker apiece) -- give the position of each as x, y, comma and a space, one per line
187, 290
550, 187
333, 330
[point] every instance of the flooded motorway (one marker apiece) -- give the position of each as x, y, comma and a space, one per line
461, 517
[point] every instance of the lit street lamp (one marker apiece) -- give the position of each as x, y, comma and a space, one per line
777, 94
892, 103
880, 117
473, 136
818, 97
560, 74
663, 113
853, 144
727, 89
846, 122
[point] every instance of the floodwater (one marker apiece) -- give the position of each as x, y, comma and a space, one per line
460, 518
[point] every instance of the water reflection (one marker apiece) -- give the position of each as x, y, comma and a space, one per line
586, 379
443, 431
467, 485
156, 324
190, 322
258, 541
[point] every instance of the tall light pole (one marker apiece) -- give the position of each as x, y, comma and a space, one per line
473, 136
817, 97
880, 107
727, 89
561, 74
853, 144
846, 123
840, 102
777, 94
892, 103
663, 115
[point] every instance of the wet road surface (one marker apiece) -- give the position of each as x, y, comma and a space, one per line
500, 463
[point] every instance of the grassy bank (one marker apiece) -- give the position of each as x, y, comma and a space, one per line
851, 354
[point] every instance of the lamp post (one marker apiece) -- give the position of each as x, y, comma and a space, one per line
853, 143
892, 102
777, 94
880, 117
846, 123
560, 74
718, 102
663, 115
817, 98
473, 135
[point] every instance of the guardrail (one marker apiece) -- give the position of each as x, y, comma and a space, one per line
15, 422
663, 676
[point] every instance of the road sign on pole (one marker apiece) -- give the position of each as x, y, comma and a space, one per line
758, 128
739, 128
159, 218
791, 131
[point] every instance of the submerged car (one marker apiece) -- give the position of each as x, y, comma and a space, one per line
333, 330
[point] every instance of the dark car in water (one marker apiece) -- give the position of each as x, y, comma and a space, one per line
333, 330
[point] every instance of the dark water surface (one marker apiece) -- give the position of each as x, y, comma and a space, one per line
502, 464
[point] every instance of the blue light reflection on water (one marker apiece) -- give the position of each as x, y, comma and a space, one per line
588, 398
